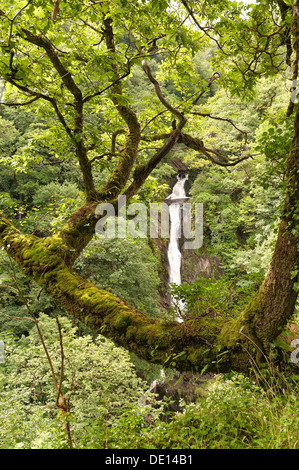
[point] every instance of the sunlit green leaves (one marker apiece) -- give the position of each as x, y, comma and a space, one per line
77, 38
99, 381
250, 48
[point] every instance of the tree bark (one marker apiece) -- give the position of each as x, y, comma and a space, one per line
274, 304
214, 344
217, 344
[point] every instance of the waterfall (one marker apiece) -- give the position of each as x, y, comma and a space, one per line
175, 199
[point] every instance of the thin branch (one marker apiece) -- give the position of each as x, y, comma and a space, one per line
61, 118
99, 157
204, 30
224, 161
152, 119
12, 21
150, 148
65, 75
215, 76
55, 10
12, 104
18, 318
14, 278
61, 361
38, 95
60, 400
100, 92
197, 96
155, 137
99, 31
198, 145
159, 93
143, 171
196, 113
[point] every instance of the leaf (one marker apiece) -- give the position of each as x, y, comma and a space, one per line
204, 369
296, 287
179, 380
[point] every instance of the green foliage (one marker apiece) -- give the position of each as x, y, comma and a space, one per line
85, 56
233, 413
125, 267
52, 205
249, 51
14, 315
10, 139
213, 298
37, 189
107, 402
13, 312
156, 187
99, 383
273, 139
241, 215
41, 185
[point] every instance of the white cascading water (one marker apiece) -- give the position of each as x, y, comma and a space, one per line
174, 201
177, 196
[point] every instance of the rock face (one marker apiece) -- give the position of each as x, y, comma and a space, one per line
198, 263
194, 263
188, 386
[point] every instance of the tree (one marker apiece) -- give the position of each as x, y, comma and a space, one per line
73, 65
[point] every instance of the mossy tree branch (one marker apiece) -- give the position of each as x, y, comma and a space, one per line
189, 347
219, 345
125, 162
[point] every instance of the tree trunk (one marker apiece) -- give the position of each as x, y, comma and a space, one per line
216, 344
273, 305
210, 343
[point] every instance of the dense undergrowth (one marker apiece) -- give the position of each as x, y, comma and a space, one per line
110, 408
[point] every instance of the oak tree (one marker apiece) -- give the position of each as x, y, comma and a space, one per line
69, 61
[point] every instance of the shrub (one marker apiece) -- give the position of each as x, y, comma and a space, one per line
99, 383
234, 413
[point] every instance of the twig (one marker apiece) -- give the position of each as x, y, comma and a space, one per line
55, 10
61, 361
21, 104
159, 93
60, 401
15, 316
196, 113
